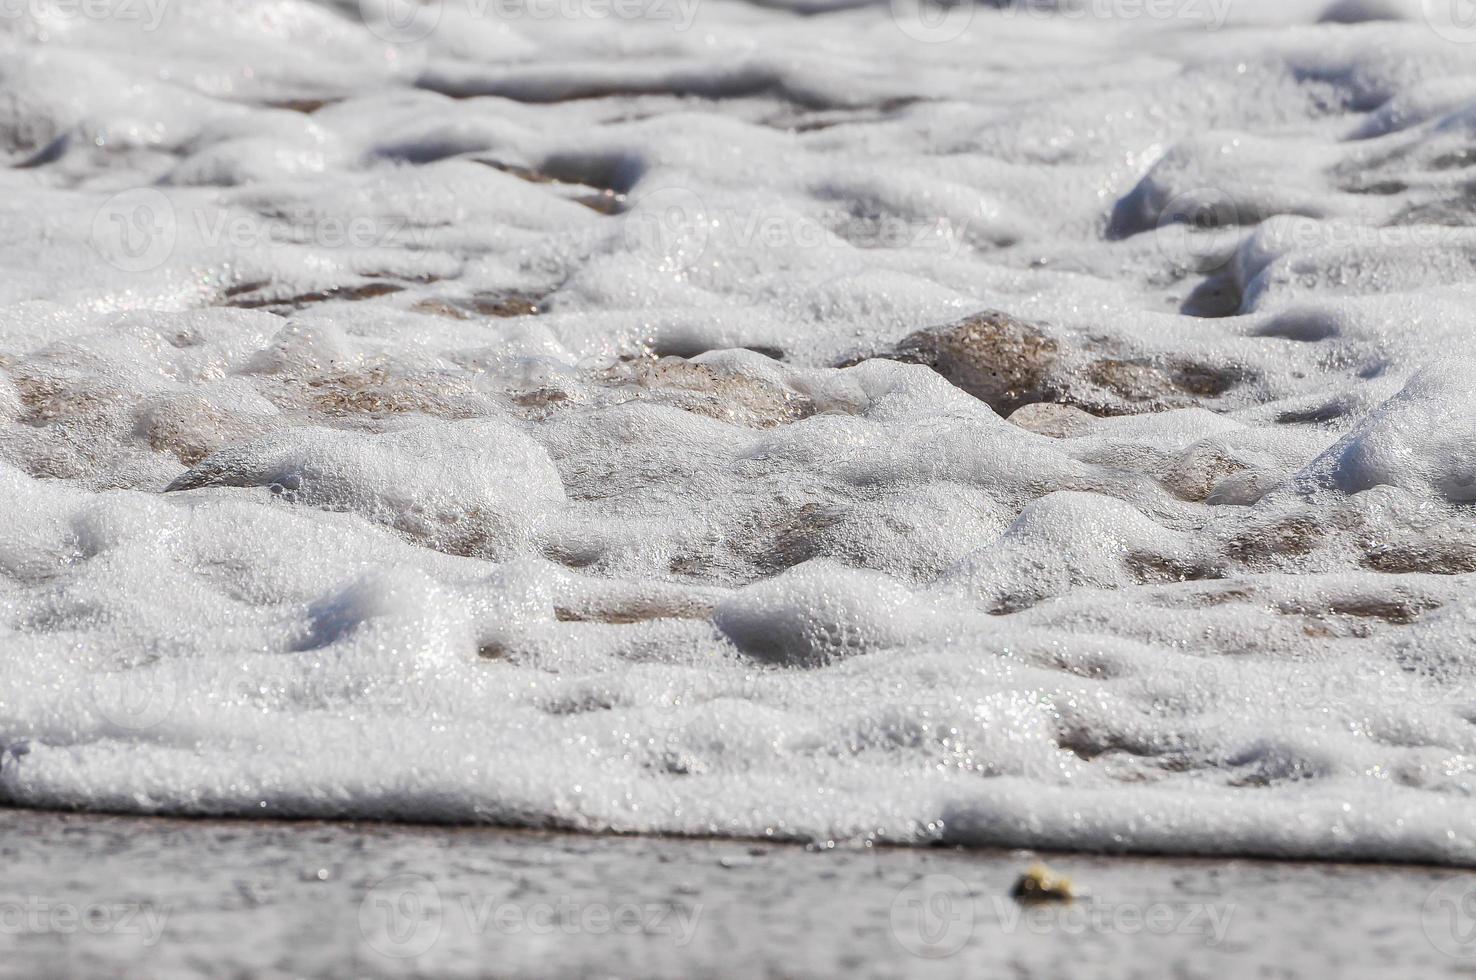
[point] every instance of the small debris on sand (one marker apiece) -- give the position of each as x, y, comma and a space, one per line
1040, 884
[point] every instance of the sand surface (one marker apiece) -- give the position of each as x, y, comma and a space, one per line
95, 896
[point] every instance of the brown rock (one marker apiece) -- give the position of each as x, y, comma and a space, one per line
1052, 419
993, 356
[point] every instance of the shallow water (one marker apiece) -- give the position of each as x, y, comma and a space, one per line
995, 426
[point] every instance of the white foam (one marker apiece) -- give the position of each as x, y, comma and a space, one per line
528, 464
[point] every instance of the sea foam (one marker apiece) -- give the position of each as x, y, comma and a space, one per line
1016, 427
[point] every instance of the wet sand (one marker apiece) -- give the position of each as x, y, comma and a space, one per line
94, 896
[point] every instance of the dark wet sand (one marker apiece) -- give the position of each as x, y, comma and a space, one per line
107, 896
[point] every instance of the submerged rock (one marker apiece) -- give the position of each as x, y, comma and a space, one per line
993, 356
1010, 364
